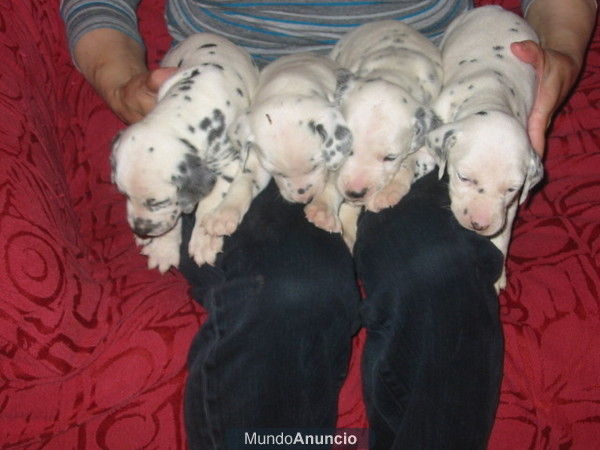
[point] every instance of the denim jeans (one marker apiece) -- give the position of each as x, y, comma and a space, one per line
283, 305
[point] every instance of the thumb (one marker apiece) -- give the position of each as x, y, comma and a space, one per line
529, 52
158, 76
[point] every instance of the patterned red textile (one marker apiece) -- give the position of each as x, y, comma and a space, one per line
93, 345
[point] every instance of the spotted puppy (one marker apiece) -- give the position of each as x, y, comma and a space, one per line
294, 126
393, 73
179, 155
485, 102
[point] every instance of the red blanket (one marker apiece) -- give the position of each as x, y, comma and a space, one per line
93, 345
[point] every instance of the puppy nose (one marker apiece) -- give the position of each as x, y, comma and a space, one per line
142, 227
357, 194
478, 227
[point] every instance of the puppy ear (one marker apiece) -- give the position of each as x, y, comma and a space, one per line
535, 173
169, 82
425, 121
113, 156
439, 142
336, 139
343, 80
194, 180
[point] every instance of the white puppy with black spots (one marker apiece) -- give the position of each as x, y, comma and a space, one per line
294, 125
486, 99
394, 72
179, 156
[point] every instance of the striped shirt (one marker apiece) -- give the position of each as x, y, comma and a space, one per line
266, 28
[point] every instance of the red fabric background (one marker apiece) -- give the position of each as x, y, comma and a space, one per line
93, 345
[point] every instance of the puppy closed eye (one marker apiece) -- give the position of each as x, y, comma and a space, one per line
154, 205
464, 179
390, 157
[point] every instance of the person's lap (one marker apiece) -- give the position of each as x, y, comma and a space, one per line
283, 305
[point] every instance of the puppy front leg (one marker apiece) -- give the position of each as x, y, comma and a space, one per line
246, 185
203, 246
349, 219
162, 251
501, 241
397, 188
323, 209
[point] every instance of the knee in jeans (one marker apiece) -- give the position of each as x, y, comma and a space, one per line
315, 298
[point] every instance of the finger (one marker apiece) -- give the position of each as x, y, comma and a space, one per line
158, 76
529, 52
536, 129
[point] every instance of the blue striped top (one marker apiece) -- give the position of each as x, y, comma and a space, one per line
266, 28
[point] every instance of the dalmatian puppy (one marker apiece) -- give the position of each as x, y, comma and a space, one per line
484, 104
393, 74
179, 156
294, 126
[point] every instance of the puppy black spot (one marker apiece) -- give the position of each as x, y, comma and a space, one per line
193, 183
218, 130
341, 133
187, 98
269, 119
216, 66
514, 30
180, 63
191, 129
227, 178
189, 145
204, 124
322, 132
342, 80
150, 149
499, 56
498, 47
239, 91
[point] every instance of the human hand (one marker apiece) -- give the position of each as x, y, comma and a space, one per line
132, 100
556, 73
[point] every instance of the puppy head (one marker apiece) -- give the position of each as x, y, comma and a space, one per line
297, 141
160, 175
489, 160
387, 125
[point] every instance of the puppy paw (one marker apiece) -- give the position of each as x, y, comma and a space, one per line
222, 222
500, 284
162, 254
323, 217
204, 247
387, 197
